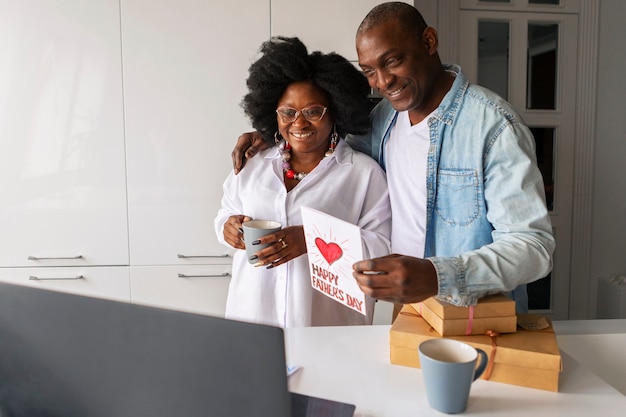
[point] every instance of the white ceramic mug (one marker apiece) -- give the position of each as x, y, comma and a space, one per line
449, 368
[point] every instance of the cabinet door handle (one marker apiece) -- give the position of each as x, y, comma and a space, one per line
39, 258
224, 255
223, 274
34, 278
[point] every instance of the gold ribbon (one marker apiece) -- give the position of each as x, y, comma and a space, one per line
492, 354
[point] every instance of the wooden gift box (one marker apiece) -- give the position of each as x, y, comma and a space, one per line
529, 358
493, 312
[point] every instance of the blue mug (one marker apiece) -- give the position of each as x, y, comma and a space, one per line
449, 367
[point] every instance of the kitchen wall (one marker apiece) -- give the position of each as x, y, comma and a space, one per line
608, 254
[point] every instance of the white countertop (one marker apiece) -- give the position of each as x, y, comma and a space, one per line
351, 364
599, 345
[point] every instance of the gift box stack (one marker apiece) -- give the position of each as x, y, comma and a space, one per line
522, 349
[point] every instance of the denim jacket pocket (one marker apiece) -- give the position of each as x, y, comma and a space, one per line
457, 201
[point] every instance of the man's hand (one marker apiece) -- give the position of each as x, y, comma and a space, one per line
397, 278
248, 145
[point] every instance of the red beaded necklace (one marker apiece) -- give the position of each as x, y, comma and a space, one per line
285, 150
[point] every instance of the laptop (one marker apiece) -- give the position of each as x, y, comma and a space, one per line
69, 355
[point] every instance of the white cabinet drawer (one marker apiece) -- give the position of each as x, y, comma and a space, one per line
196, 289
100, 282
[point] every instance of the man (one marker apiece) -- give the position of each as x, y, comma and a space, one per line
468, 204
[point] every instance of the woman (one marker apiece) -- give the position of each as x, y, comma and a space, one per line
302, 103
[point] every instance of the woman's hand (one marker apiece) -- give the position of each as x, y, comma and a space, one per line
248, 145
233, 233
285, 245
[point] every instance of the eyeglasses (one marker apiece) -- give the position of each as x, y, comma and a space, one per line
311, 113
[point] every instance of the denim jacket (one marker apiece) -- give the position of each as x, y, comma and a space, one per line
488, 229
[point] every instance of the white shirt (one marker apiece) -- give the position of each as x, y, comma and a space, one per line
406, 155
348, 185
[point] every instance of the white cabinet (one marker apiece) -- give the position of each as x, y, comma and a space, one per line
185, 66
117, 120
100, 282
324, 25
62, 164
196, 289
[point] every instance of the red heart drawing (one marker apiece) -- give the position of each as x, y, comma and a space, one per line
330, 251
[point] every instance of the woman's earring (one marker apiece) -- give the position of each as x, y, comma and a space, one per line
277, 137
334, 137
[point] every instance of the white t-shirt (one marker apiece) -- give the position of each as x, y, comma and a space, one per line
406, 155
348, 185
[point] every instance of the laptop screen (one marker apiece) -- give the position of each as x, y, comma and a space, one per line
67, 355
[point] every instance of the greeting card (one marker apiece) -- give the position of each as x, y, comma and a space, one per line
333, 245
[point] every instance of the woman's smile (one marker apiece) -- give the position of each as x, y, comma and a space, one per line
301, 135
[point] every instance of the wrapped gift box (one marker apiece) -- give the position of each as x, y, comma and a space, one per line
495, 305
529, 358
493, 312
